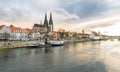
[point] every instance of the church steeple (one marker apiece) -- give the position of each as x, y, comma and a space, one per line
51, 23
50, 20
46, 21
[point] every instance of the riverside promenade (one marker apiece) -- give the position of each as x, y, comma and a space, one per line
16, 44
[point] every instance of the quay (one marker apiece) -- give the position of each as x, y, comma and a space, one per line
23, 44
16, 44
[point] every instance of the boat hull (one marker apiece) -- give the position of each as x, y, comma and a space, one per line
56, 43
32, 46
39, 46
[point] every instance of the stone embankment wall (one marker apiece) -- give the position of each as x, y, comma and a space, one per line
16, 44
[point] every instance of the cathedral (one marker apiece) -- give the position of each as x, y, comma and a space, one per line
47, 26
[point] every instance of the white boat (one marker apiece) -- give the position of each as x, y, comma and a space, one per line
42, 43
56, 42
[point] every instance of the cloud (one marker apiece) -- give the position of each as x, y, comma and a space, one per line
33, 11
25, 12
63, 16
75, 14
25, 9
94, 23
93, 13
110, 30
85, 8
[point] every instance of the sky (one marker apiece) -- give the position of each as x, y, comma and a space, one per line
71, 15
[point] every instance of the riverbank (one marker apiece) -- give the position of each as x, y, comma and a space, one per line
23, 44
16, 44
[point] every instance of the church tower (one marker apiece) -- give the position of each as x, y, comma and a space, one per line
51, 23
46, 22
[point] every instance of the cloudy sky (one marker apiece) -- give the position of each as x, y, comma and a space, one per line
73, 15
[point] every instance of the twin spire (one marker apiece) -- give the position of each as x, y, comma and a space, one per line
50, 20
49, 25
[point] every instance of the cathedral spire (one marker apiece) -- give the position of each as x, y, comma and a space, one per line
46, 21
50, 20
51, 23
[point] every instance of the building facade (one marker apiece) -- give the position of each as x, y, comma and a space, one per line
4, 32
15, 33
95, 36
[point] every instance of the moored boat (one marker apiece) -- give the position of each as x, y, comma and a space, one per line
56, 42
38, 46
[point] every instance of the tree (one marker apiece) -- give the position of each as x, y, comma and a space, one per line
75, 35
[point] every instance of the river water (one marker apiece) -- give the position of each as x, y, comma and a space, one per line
96, 56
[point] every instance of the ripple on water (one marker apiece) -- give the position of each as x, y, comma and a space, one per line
97, 56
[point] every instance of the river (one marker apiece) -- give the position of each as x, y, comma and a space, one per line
96, 56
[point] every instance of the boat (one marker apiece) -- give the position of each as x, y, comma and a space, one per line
49, 44
32, 46
56, 42
38, 46
43, 45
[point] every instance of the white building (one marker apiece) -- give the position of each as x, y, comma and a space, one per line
15, 33
4, 32
95, 36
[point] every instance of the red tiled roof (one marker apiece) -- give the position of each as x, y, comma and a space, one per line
1, 26
13, 29
18, 29
95, 33
29, 30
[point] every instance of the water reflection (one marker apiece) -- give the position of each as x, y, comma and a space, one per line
97, 56
91, 67
8, 54
47, 50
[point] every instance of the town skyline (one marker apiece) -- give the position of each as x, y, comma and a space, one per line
70, 15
